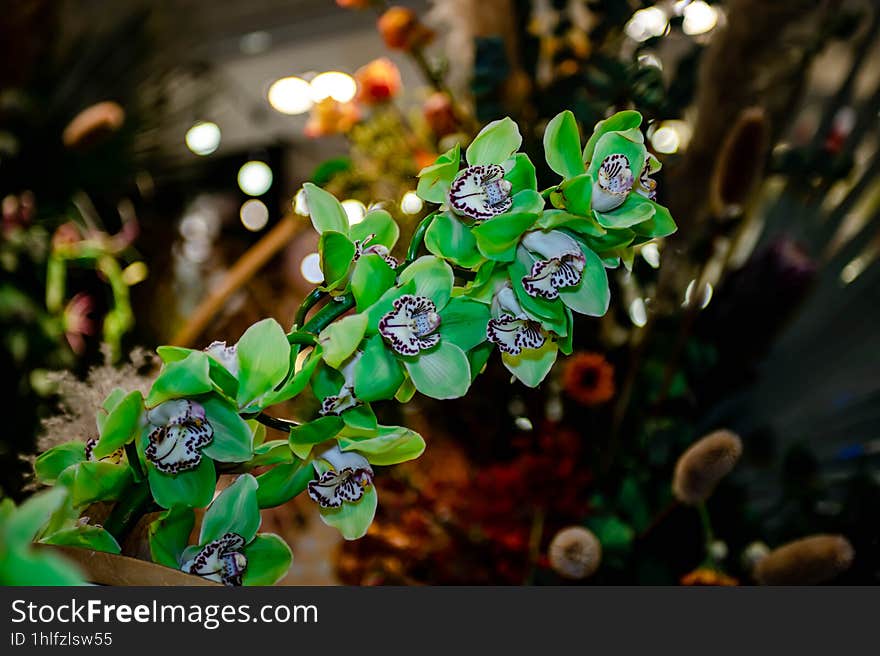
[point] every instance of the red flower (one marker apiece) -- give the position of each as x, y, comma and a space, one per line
588, 378
78, 322
331, 117
378, 81
440, 114
401, 29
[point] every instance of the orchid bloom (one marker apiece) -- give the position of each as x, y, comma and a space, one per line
180, 431
361, 248
347, 479
613, 182
512, 329
220, 560
480, 192
647, 186
338, 403
410, 326
561, 263
225, 355
116, 457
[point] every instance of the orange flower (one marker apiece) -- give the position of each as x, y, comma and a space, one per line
424, 158
440, 114
588, 378
707, 576
401, 29
354, 4
331, 117
93, 123
378, 81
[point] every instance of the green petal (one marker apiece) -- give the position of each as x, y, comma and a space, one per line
233, 438
434, 180
441, 373
326, 212
193, 488
627, 121
380, 224
463, 323
392, 445
449, 238
498, 237
224, 382
274, 452
169, 535
478, 357
25, 522
264, 360
112, 400
433, 278
303, 438
613, 143
353, 520
378, 374
360, 418
268, 560
635, 209
337, 253
89, 482
283, 482
495, 143
521, 173
527, 201
406, 392
591, 296
341, 338
370, 278
85, 537
659, 225
184, 378
581, 225
234, 510
531, 366
562, 145
614, 239
577, 193
121, 425
49, 464
297, 382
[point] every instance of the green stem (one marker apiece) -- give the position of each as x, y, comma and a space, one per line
327, 314
308, 303
128, 511
134, 462
276, 422
418, 239
708, 534
300, 337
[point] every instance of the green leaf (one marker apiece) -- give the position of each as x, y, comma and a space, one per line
562, 145
378, 374
341, 338
235, 510
531, 366
498, 237
627, 121
392, 445
184, 378
378, 223
441, 373
360, 418
521, 173
193, 488
268, 560
89, 482
353, 520
85, 537
283, 482
615, 535
264, 360
449, 238
495, 143
434, 180
121, 425
463, 323
577, 194
233, 438
659, 225
591, 295
634, 210
49, 464
169, 535
297, 382
26, 521
433, 278
337, 253
370, 278
326, 212
314, 432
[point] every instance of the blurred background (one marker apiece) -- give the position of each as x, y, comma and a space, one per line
151, 155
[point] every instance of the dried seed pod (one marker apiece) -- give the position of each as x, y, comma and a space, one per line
740, 163
575, 553
807, 561
700, 468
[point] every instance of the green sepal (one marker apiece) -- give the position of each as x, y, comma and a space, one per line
370, 278
634, 210
531, 366
591, 295
234, 510
85, 537
577, 193
498, 237
233, 438
433, 278
337, 253
49, 464
274, 452
434, 180
325, 211
495, 143
378, 374
268, 560
353, 520
627, 121
181, 379
562, 145
341, 338
390, 446
169, 535
297, 382
378, 223
283, 482
121, 425
264, 361
442, 372
449, 238
89, 482
463, 323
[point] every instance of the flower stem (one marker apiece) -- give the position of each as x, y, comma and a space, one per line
707, 524
300, 337
134, 462
308, 303
136, 503
276, 422
327, 314
418, 239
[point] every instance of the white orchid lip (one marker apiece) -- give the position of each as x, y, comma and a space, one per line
361, 248
339, 403
116, 457
220, 560
562, 263
480, 192
225, 355
181, 430
347, 480
647, 186
613, 183
410, 325
511, 329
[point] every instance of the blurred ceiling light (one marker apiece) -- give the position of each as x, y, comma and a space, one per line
665, 140
638, 314
651, 255
699, 18
689, 295
523, 423
333, 84
411, 203
311, 268
853, 270
254, 214
354, 210
646, 23
203, 138
254, 43
299, 203
290, 95
255, 178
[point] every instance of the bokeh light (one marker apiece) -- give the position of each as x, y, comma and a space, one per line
311, 269
255, 178
203, 138
646, 23
411, 203
699, 18
254, 214
290, 95
354, 210
333, 84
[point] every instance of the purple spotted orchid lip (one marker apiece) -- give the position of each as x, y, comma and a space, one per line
347, 479
220, 560
647, 186
480, 192
361, 248
561, 263
511, 328
225, 355
409, 327
613, 182
116, 457
180, 431
338, 403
